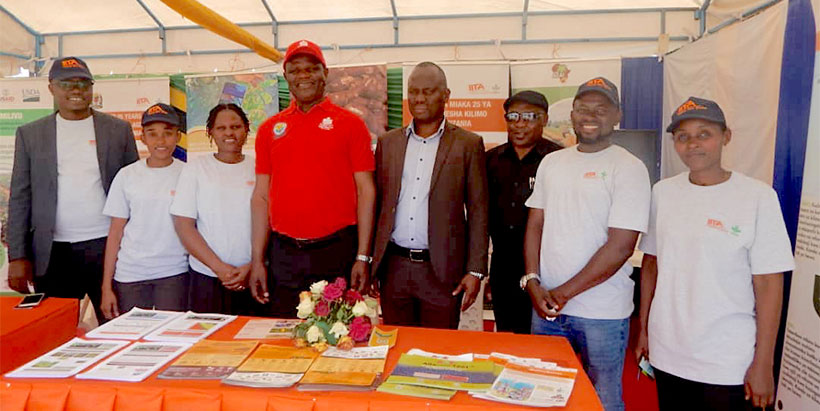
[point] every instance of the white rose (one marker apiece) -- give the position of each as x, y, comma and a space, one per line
304, 309
313, 334
318, 287
339, 329
360, 309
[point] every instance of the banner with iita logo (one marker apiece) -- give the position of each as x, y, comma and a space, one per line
558, 81
477, 94
22, 100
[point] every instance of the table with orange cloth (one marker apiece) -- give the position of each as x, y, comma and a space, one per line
210, 395
25, 334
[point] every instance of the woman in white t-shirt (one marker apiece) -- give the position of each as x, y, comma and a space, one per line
145, 264
711, 276
212, 216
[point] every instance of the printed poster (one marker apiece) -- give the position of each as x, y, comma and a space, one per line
558, 81
361, 90
128, 98
477, 94
256, 92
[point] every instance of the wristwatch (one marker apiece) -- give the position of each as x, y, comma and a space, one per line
477, 275
364, 258
526, 278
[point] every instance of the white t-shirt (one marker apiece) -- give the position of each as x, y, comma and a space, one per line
709, 241
218, 196
150, 248
80, 194
583, 195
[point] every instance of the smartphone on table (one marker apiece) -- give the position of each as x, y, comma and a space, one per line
31, 300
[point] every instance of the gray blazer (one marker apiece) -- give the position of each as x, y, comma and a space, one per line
33, 199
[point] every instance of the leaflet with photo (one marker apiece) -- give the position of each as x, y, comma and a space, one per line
133, 325
262, 379
474, 375
360, 366
209, 359
136, 362
190, 327
532, 386
265, 329
68, 359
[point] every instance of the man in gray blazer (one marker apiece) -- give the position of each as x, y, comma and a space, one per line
63, 166
431, 243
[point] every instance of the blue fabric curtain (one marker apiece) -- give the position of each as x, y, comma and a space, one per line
642, 93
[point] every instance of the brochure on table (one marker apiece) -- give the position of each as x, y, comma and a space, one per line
137, 362
267, 329
133, 325
210, 359
190, 327
67, 359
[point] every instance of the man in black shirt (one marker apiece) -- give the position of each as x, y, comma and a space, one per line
511, 171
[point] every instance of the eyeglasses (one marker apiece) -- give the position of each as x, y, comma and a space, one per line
72, 84
528, 116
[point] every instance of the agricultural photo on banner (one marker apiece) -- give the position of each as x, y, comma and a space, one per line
477, 94
559, 81
21, 101
361, 90
256, 92
128, 98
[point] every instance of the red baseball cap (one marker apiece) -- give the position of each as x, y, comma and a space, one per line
304, 47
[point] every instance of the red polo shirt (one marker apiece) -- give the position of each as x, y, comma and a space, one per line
311, 158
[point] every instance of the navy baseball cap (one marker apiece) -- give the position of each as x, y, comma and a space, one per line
68, 67
600, 85
160, 112
530, 97
696, 107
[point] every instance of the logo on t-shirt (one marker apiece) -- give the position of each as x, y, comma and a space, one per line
720, 226
326, 124
595, 174
279, 129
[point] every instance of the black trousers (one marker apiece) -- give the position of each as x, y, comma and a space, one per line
511, 305
293, 267
206, 294
675, 393
167, 294
74, 270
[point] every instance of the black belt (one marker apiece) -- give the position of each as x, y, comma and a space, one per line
313, 242
415, 255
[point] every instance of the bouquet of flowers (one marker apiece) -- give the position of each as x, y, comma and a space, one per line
334, 315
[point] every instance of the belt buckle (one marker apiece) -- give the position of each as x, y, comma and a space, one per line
419, 253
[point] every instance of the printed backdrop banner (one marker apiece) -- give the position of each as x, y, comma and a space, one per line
128, 98
739, 68
477, 94
559, 81
799, 387
21, 101
361, 90
257, 93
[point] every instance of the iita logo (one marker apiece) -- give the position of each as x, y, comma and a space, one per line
597, 82
475, 87
156, 110
720, 226
71, 63
595, 174
689, 105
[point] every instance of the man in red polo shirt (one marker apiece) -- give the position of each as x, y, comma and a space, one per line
314, 197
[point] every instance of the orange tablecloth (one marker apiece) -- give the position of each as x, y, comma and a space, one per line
170, 395
28, 333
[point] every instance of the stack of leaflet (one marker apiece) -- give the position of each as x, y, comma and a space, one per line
67, 359
137, 362
530, 382
190, 327
209, 360
273, 366
357, 369
267, 329
438, 376
133, 325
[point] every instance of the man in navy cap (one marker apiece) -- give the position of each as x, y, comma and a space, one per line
589, 204
63, 166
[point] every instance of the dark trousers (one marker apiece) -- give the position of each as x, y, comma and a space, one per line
206, 294
675, 393
411, 295
294, 266
74, 270
169, 294
511, 305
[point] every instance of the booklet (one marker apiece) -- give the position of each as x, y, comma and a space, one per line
532, 386
267, 329
209, 359
137, 362
458, 357
133, 325
417, 391
190, 327
273, 366
358, 366
476, 375
381, 337
262, 379
67, 359
341, 387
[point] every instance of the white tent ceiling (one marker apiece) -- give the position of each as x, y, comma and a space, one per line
59, 16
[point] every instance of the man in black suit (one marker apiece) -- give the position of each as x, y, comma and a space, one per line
63, 166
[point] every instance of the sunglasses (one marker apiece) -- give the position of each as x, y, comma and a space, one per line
72, 84
514, 116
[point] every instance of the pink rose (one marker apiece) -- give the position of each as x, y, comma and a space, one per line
322, 309
352, 297
360, 329
332, 292
340, 282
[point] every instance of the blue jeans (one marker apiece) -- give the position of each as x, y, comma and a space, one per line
602, 345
